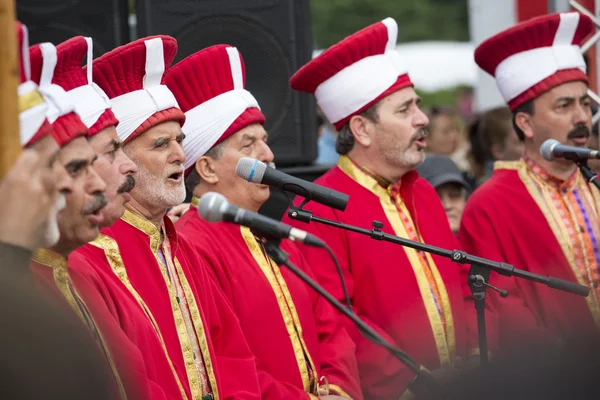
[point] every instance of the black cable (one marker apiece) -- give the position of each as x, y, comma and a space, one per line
341, 274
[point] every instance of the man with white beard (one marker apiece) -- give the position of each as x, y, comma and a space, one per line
185, 333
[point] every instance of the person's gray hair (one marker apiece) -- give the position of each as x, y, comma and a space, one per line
344, 142
193, 179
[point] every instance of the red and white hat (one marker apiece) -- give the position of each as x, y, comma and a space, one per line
66, 124
91, 103
132, 76
355, 73
33, 124
536, 55
209, 87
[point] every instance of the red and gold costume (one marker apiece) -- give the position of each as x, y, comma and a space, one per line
299, 343
415, 300
523, 215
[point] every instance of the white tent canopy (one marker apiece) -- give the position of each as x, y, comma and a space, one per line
438, 65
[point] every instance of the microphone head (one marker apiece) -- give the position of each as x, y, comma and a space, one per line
251, 169
212, 207
547, 147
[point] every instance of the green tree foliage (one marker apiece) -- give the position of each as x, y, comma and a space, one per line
333, 20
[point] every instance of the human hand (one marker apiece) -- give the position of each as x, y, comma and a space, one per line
176, 212
28, 200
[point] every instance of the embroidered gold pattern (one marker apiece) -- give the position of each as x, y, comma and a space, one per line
111, 251
445, 339
193, 373
60, 273
286, 307
561, 236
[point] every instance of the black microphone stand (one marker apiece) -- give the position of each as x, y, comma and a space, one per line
478, 274
424, 383
587, 172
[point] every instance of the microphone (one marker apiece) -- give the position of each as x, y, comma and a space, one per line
552, 149
214, 207
257, 172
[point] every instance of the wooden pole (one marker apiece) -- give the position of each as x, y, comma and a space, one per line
10, 145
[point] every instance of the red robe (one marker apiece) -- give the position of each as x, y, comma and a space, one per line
128, 252
503, 222
137, 350
259, 292
385, 290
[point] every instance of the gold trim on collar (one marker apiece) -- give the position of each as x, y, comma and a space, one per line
195, 201
286, 307
360, 177
30, 100
142, 224
561, 236
444, 338
49, 258
113, 256
509, 164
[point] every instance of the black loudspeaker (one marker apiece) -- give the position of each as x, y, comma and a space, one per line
55, 21
274, 37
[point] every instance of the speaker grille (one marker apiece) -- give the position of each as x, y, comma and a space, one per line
267, 63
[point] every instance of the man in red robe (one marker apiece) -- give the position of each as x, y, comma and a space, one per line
79, 220
144, 268
301, 347
413, 299
537, 215
139, 360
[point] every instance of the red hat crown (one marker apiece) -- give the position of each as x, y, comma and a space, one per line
536, 55
61, 114
91, 103
354, 74
209, 87
33, 124
133, 78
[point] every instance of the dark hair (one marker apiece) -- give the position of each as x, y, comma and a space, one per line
345, 139
479, 152
193, 179
527, 108
494, 126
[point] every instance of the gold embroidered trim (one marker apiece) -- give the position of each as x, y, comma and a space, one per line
200, 331
60, 272
184, 340
286, 307
444, 339
113, 256
195, 201
145, 226
507, 164
338, 390
559, 234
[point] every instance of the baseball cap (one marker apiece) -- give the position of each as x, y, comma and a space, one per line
439, 170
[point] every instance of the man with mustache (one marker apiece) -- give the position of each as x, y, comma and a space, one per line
94, 303
415, 300
537, 215
297, 351
189, 343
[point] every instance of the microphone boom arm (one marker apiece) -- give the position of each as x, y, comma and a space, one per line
423, 381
